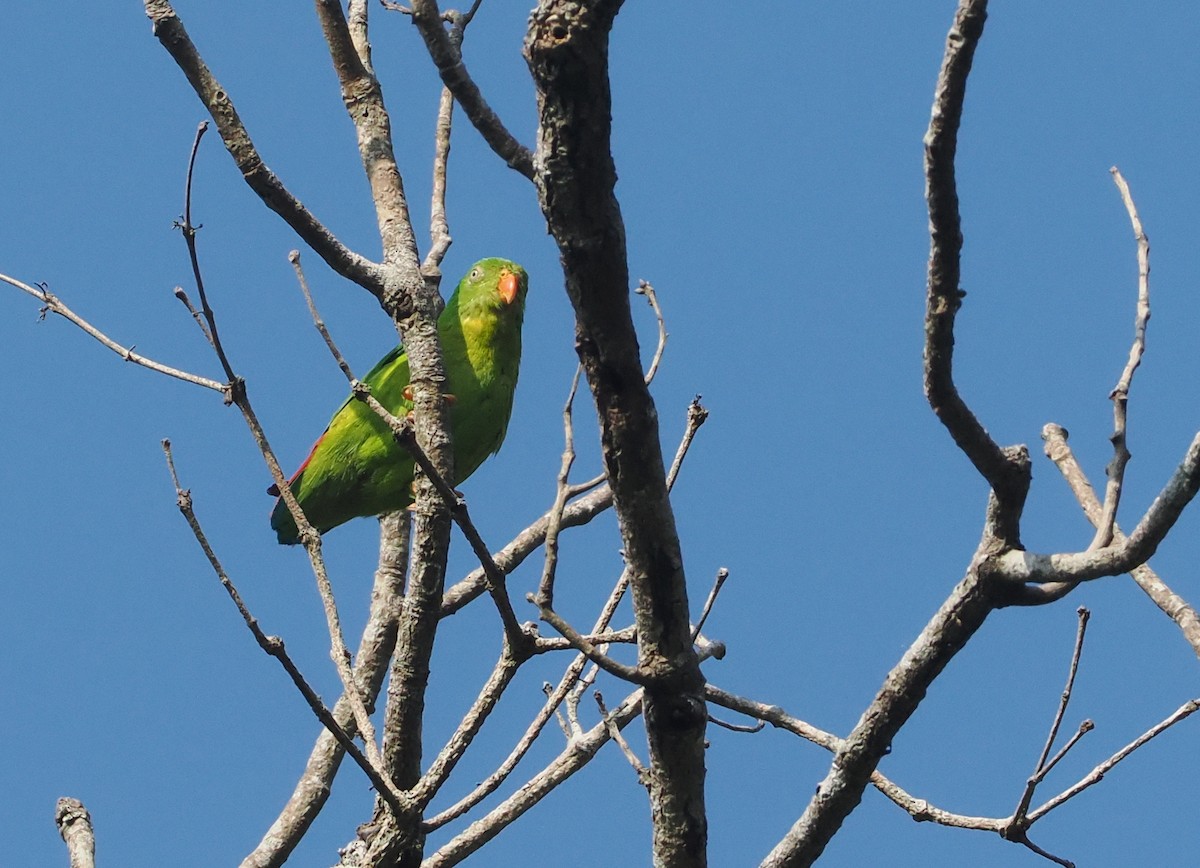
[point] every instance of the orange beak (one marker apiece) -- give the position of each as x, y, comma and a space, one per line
509, 284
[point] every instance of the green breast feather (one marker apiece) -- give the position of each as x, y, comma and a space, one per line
357, 469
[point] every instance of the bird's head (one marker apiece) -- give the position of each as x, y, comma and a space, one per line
494, 284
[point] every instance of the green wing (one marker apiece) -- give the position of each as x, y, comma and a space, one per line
355, 468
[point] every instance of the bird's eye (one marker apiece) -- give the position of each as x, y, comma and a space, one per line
476, 273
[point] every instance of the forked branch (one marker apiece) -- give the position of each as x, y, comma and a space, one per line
944, 292
169, 30
447, 57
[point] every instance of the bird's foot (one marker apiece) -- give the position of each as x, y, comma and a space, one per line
448, 398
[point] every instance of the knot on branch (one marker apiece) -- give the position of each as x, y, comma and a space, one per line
310, 538
677, 711
234, 392
396, 302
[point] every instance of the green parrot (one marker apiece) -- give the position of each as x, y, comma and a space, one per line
357, 469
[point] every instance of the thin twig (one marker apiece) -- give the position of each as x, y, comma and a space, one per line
624, 636
1041, 768
583, 487
574, 727
189, 230
294, 259
52, 304
1120, 392
187, 302
545, 594
554, 700
439, 228
1084, 615
645, 289
312, 541
579, 691
737, 727
273, 645
1023, 839
576, 513
548, 689
1084, 728
1097, 774
428, 19
170, 32
374, 651
697, 415
722, 575
1174, 606
447, 16
614, 732
583, 646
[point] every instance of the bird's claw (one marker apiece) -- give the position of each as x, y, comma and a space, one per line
408, 396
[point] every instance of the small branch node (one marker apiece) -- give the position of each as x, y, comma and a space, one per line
614, 732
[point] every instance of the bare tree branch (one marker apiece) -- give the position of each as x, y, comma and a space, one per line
1173, 605
614, 732
1097, 774
856, 758
1042, 768
579, 512
624, 636
545, 594
945, 294
578, 753
574, 757
554, 699
374, 652
171, 33
919, 809
75, 826
52, 304
448, 59
1120, 557
189, 230
273, 646
364, 102
358, 20
238, 395
439, 228
566, 47
439, 770
587, 649
1006, 470
1120, 392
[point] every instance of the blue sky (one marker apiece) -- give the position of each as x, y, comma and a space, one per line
770, 178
